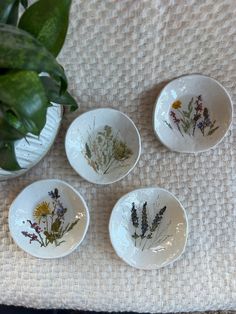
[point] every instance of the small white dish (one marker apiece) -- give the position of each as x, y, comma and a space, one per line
48, 219
148, 228
103, 145
192, 114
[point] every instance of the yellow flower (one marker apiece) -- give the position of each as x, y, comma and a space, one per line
42, 210
176, 104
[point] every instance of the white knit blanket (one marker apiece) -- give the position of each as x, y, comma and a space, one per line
118, 54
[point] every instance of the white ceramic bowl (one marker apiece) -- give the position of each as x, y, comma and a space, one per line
103, 145
31, 150
192, 114
48, 219
148, 228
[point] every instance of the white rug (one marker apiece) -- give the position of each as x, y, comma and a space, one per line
118, 54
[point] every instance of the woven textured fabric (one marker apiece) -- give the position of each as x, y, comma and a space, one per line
119, 54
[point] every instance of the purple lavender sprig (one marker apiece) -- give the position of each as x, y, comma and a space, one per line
176, 121
198, 112
59, 209
34, 237
144, 223
147, 230
156, 221
135, 221
206, 122
54, 194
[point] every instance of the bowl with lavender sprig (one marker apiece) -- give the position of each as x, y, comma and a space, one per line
48, 219
192, 114
148, 228
103, 145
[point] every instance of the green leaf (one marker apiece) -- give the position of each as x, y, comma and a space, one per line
73, 224
13, 17
50, 237
56, 225
186, 114
47, 20
8, 132
9, 11
190, 105
88, 151
52, 90
212, 130
14, 122
23, 96
20, 51
8, 158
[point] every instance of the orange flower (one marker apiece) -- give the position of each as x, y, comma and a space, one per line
42, 210
176, 104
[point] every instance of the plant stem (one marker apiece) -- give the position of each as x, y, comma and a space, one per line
145, 243
111, 161
42, 242
179, 129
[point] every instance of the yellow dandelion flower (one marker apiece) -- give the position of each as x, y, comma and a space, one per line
177, 104
42, 210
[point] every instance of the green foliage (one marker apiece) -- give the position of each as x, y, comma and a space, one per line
21, 51
8, 159
25, 52
47, 20
56, 225
29, 105
52, 90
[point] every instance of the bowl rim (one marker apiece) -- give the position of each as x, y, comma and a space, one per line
230, 121
139, 145
67, 252
186, 224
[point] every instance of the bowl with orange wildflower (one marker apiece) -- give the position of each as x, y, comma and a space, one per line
48, 219
192, 114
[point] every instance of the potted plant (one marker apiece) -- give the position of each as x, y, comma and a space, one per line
31, 79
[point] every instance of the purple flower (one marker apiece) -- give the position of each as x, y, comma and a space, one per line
207, 122
54, 194
60, 210
175, 119
205, 113
199, 106
196, 117
32, 236
200, 125
35, 226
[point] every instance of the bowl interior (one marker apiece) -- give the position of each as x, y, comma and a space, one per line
102, 145
48, 219
152, 236
192, 114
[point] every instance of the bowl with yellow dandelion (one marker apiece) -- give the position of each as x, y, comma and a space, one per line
48, 219
192, 114
148, 228
103, 145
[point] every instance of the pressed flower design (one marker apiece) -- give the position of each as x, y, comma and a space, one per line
105, 151
49, 226
195, 117
42, 210
145, 232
